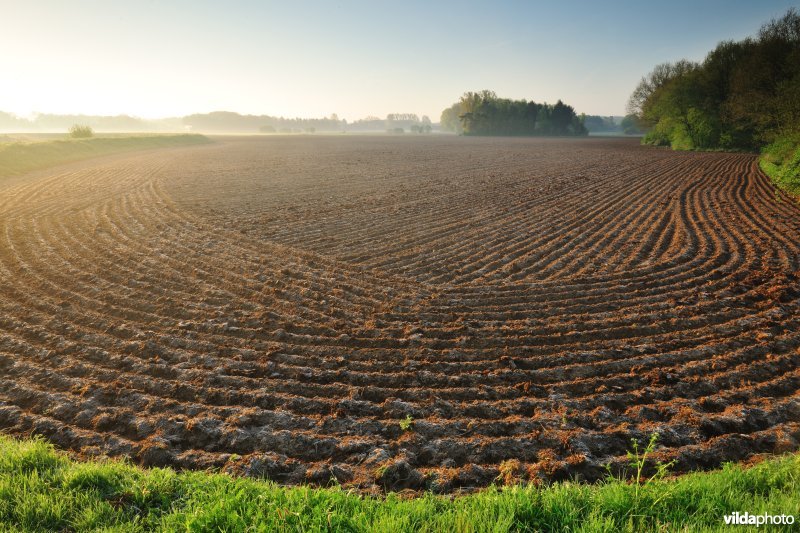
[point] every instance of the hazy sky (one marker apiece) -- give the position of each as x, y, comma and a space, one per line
295, 58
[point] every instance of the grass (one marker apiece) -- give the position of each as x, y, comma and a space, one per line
44, 490
24, 156
781, 162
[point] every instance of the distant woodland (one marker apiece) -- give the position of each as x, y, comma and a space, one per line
217, 122
627, 125
58, 123
483, 113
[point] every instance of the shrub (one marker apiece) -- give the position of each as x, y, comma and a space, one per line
661, 134
781, 162
81, 132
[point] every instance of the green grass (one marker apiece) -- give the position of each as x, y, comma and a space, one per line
23, 156
44, 490
781, 162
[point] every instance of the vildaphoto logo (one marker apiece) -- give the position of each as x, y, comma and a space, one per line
747, 519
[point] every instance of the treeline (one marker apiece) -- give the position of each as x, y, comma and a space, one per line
216, 122
394, 123
483, 113
600, 124
628, 125
743, 96
229, 122
52, 122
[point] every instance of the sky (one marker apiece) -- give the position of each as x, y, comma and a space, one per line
154, 59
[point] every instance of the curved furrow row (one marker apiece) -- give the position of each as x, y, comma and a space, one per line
292, 300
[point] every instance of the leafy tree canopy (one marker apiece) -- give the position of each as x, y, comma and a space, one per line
744, 95
484, 113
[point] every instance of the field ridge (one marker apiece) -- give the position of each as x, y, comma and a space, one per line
277, 306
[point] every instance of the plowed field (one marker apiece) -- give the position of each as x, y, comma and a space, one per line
279, 305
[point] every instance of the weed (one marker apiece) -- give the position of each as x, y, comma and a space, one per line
638, 461
407, 423
381, 471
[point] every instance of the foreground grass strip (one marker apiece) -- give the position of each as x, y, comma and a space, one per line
19, 157
43, 490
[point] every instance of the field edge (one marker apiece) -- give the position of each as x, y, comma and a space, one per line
42, 488
20, 157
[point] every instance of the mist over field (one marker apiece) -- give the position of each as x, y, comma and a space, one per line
360, 60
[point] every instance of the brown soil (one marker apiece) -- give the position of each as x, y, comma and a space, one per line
276, 306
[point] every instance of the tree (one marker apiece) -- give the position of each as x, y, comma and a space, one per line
449, 120
483, 113
659, 77
630, 125
744, 94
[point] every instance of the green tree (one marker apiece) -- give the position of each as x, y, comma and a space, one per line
744, 94
630, 125
449, 120
483, 113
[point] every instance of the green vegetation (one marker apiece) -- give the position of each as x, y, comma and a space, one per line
407, 423
780, 160
484, 113
744, 96
81, 132
18, 157
638, 461
630, 125
42, 490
